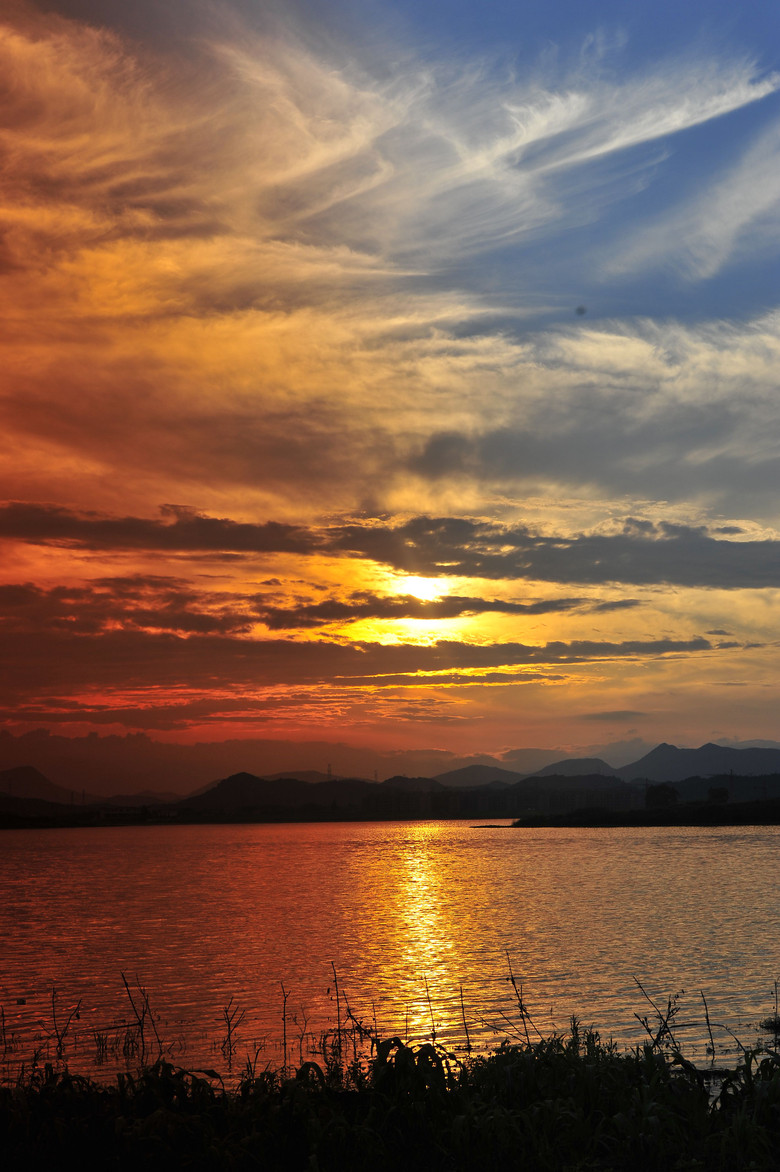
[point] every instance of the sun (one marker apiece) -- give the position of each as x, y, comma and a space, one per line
425, 589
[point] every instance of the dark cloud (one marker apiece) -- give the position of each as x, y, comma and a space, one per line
371, 606
182, 529
641, 445
644, 553
134, 602
442, 679
161, 716
60, 660
15, 597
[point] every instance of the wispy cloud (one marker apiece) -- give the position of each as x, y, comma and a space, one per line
297, 159
736, 216
229, 261
618, 714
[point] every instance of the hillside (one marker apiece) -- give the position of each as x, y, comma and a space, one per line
668, 763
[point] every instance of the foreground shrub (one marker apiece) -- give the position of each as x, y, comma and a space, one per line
563, 1103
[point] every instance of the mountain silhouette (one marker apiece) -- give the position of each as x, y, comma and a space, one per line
408, 785
473, 775
577, 767
247, 791
25, 781
668, 763
312, 789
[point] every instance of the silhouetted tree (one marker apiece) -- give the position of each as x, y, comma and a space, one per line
660, 797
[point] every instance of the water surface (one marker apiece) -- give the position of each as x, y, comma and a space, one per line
408, 913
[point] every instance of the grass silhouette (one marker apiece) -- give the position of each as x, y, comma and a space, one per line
568, 1101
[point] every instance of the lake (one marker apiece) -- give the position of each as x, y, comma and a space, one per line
420, 920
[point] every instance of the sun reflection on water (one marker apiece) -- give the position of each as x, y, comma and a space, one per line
427, 931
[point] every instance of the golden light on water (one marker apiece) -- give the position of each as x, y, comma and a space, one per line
425, 926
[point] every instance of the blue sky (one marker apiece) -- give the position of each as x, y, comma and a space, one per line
701, 193
567, 43
620, 41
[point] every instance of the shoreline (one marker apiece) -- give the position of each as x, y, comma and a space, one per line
760, 813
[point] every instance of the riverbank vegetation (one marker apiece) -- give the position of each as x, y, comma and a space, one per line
758, 813
568, 1101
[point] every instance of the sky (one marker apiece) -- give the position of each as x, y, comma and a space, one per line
399, 375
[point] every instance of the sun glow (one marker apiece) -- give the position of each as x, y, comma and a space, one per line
426, 589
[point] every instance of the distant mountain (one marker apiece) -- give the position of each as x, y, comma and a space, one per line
473, 775
525, 761
283, 779
247, 797
412, 785
756, 744
313, 775
577, 767
247, 791
25, 781
668, 763
110, 764
315, 789
570, 783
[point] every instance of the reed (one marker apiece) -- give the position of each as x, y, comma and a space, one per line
569, 1101
136, 1040
771, 1024
349, 1042
62, 1028
232, 1017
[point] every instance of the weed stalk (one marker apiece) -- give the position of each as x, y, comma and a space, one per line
285, 995
232, 1017
61, 1032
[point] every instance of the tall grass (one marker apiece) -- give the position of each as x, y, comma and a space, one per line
568, 1101
84, 1043
359, 1100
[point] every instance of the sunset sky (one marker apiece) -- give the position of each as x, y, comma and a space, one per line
404, 375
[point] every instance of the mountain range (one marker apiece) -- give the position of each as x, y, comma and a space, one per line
571, 779
106, 766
